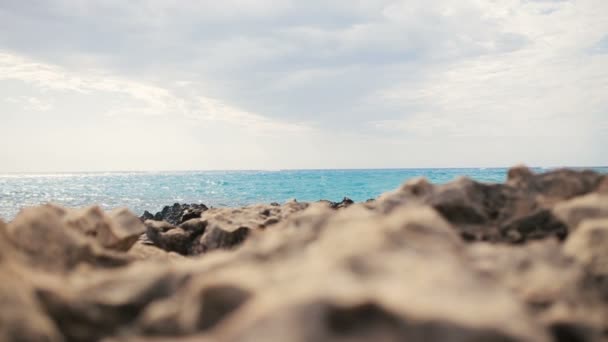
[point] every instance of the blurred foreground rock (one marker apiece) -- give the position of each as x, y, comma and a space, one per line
465, 261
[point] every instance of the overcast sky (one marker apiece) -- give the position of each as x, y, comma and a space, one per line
265, 84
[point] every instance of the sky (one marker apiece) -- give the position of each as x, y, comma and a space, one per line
266, 84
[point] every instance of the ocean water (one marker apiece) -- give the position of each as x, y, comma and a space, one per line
151, 191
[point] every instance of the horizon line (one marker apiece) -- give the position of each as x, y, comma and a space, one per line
303, 169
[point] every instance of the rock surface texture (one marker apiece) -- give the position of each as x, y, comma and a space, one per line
526, 260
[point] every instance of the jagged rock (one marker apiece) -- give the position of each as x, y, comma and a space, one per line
177, 213
225, 228
117, 230
589, 246
575, 211
603, 187
175, 239
339, 205
555, 185
535, 226
147, 216
176, 315
515, 212
549, 282
108, 302
21, 316
43, 236
218, 228
144, 251
218, 238
401, 278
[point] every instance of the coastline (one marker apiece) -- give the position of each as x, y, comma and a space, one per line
523, 260
152, 191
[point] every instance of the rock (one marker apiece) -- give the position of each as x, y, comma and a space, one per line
216, 303
537, 225
21, 316
176, 214
175, 239
227, 228
575, 211
118, 230
401, 278
342, 204
147, 216
603, 187
48, 241
557, 185
514, 212
588, 245
218, 228
108, 302
143, 251
218, 238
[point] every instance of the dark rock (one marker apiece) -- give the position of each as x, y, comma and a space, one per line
147, 216
514, 212
174, 239
177, 213
338, 205
343, 204
218, 238
537, 225
568, 332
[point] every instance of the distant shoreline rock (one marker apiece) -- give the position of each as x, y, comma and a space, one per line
177, 213
525, 260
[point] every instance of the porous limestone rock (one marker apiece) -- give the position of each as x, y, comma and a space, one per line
46, 240
579, 209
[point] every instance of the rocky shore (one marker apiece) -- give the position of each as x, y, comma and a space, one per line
526, 260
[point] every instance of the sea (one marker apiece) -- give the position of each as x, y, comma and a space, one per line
140, 191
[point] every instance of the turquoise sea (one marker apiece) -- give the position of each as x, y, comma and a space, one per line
151, 191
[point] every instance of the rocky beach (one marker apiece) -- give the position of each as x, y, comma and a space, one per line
525, 260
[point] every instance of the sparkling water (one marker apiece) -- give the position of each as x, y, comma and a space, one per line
151, 191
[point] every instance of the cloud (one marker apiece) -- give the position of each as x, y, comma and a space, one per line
601, 47
31, 103
149, 99
358, 74
551, 87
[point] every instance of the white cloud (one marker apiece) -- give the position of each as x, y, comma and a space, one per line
151, 100
31, 103
551, 87
318, 84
